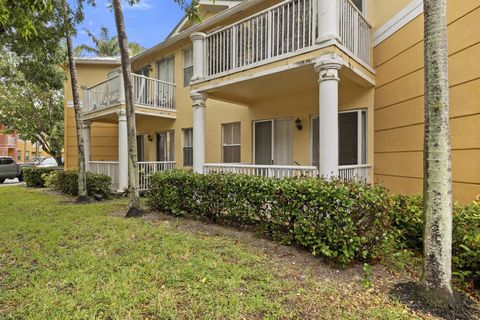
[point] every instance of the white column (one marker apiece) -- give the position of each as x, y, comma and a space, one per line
327, 19
198, 39
198, 130
327, 67
86, 142
122, 151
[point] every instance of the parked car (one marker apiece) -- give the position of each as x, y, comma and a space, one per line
9, 169
47, 162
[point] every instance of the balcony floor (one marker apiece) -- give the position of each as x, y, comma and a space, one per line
110, 114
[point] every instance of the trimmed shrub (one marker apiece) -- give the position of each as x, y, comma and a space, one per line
407, 222
35, 176
344, 221
67, 182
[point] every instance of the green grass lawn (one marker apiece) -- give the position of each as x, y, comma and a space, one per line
59, 260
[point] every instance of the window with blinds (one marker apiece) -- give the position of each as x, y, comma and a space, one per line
231, 142
187, 66
188, 147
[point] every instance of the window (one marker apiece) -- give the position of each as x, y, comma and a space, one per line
166, 146
352, 138
19, 155
27, 156
6, 160
231, 142
273, 142
188, 147
187, 66
165, 69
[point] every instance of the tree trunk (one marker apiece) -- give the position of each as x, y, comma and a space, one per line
437, 189
134, 207
82, 177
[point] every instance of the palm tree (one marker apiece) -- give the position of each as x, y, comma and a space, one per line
134, 209
106, 46
437, 189
82, 176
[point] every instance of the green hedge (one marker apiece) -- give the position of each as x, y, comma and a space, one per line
344, 221
407, 222
35, 176
67, 182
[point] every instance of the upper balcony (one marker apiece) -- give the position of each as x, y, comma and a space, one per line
290, 28
151, 97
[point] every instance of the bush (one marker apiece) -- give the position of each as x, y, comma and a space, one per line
344, 221
407, 222
35, 176
67, 182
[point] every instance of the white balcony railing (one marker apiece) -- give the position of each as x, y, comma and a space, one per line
146, 168
354, 30
278, 31
146, 92
109, 168
11, 141
153, 92
359, 172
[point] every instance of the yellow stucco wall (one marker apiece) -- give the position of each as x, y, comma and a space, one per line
399, 104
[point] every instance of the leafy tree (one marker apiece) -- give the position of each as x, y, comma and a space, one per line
437, 189
21, 16
106, 46
36, 111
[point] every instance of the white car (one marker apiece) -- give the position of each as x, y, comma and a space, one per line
47, 162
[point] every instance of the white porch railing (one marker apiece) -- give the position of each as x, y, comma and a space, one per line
261, 170
354, 30
280, 30
146, 91
153, 92
146, 168
109, 168
358, 171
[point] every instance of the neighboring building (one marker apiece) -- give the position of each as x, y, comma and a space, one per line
281, 88
27, 151
8, 143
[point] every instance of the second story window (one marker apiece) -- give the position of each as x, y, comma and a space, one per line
231, 142
166, 67
188, 147
187, 66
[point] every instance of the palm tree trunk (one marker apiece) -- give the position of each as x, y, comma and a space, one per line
134, 208
82, 177
437, 188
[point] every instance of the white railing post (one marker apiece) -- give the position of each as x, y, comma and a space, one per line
198, 105
198, 39
327, 67
122, 151
269, 34
327, 20
234, 47
121, 89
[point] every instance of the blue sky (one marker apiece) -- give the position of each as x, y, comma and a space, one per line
147, 23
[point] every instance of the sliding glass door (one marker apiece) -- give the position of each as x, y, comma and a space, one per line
273, 143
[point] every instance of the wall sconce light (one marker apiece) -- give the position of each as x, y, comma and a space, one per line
298, 124
150, 138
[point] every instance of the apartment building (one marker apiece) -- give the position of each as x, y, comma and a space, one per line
281, 88
8, 143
